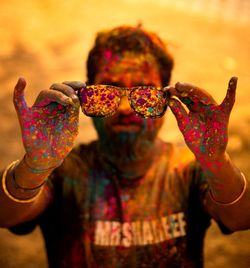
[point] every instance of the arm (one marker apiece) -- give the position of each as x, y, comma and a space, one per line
49, 129
205, 130
17, 205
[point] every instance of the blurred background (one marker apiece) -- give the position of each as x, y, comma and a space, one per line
47, 41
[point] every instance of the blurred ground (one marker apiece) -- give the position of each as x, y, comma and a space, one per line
47, 41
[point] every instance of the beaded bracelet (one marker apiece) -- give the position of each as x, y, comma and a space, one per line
235, 200
8, 194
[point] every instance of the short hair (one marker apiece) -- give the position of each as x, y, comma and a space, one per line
134, 39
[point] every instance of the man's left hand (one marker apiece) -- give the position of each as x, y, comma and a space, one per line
205, 124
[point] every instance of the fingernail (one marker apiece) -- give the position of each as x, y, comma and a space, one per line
171, 103
79, 84
67, 101
75, 97
184, 94
167, 88
75, 103
70, 101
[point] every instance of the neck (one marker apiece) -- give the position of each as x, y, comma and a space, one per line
129, 158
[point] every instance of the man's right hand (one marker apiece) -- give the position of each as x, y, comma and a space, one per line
50, 126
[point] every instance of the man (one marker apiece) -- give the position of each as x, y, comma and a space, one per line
125, 200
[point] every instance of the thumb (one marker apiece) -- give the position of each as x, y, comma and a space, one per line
228, 102
179, 112
73, 110
18, 97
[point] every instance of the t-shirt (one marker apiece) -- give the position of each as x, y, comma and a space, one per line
96, 219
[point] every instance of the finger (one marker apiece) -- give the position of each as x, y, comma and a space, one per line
48, 96
76, 85
179, 111
170, 90
195, 94
67, 90
229, 100
18, 96
73, 112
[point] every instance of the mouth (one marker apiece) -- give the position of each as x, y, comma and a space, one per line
128, 123
126, 128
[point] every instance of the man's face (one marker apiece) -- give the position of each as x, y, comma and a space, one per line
127, 70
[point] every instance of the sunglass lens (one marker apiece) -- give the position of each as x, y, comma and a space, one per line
99, 100
148, 102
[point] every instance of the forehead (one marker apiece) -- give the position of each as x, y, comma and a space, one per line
128, 69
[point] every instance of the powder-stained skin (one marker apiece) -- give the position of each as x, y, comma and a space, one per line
49, 127
205, 125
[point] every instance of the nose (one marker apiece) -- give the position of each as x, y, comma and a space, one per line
124, 105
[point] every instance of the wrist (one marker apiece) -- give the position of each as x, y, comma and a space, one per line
236, 198
28, 178
36, 167
13, 191
213, 162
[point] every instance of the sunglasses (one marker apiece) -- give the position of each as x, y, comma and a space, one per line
104, 100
